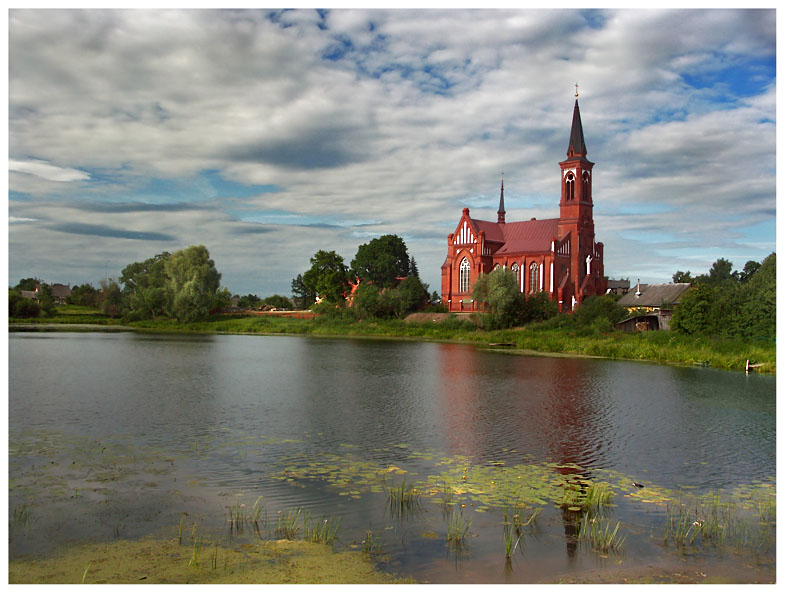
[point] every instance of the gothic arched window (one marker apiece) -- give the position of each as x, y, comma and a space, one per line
570, 193
517, 271
534, 277
465, 275
586, 194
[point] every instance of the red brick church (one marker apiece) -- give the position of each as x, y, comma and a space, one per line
556, 255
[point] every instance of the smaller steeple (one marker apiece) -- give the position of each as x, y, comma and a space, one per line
501, 212
577, 147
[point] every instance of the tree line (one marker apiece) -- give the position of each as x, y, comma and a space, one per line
723, 302
381, 281
184, 285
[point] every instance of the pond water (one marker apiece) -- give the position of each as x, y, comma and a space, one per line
117, 435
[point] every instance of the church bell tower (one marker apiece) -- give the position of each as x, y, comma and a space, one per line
576, 216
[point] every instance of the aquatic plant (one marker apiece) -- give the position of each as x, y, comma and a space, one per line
323, 531
372, 544
180, 528
22, 518
84, 574
403, 500
196, 553
600, 535
457, 529
288, 524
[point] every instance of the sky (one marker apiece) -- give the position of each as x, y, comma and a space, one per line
268, 135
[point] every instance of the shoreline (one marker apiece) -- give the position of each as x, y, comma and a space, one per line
487, 343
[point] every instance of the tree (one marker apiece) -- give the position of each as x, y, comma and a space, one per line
749, 269
413, 270
191, 283
382, 260
721, 271
28, 284
499, 293
111, 298
85, 295
682, 277
277, 301
302, 296
144, 287
328, 276
249, 301
409, 296
19, 306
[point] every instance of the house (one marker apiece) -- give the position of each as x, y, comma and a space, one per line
651, 306
558, 256
618, 287
60, 292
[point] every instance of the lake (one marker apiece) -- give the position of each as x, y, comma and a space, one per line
116, 435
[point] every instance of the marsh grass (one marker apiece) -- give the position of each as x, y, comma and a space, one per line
323, 531
180, 528
22, 518
372, 544
600, 534
288, 525
710, 521
239, 515
664, 347
457, 529
196, 553
403, 500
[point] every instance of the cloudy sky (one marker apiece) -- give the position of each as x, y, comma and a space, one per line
267, 135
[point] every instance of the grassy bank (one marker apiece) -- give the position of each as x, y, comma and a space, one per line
661, 347
167, 561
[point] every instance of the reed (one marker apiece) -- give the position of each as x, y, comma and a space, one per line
512, 538
84, 574
323, 531
196, 554
288, 524
600, 534
180, 528
403, 500
22, 518
457, 529
372, 544
597, 499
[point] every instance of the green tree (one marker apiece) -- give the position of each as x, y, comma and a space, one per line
85, 295
499, 295
682, 277
413, 270
110, 298
759, 311
28, 284
721, 271
144, 287
367, 301
382, 260
409, 296
328, 277
249, 301
599, 311
19, 306
191, 283
302, 296
749, 270
278, 301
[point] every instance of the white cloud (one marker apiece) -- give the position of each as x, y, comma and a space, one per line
47, 171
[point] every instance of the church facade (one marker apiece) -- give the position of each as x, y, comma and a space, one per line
558, 256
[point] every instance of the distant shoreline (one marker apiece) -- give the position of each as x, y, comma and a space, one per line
651, 347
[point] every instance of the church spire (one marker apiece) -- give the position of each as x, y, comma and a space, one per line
501, 212
577, 147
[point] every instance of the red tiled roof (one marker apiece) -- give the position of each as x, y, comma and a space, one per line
519, 237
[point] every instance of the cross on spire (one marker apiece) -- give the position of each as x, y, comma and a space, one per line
576, 90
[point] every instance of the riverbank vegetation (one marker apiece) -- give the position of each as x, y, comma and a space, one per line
726, 319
